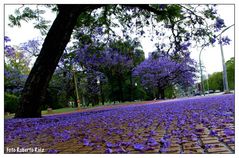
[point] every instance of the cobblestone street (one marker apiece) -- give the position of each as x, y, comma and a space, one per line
201, 125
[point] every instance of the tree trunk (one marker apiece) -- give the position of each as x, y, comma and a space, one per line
162, 94
131, 87
121, 98
55, 42
102, 95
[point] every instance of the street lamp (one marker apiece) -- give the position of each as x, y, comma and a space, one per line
200, 65
75, 79
208, 83
225, 82
135, 84
101, 91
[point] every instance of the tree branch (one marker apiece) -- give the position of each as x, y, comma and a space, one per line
146, 7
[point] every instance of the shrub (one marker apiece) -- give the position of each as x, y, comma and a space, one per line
10, 103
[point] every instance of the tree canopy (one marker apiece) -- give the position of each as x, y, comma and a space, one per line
174, 27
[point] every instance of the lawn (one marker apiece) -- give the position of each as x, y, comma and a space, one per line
194, 125
58, 111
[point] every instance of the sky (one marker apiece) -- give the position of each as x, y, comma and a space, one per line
211, 56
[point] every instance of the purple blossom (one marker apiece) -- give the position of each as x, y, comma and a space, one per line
86, 142
51, 130
232, 140
213, 11
213, 40
152, 132
99, 30
9, 51
32, 47
225, 41
6, 39
152, 142
163, 71
53, 151
185, 46
219, 24
163, 150
139, 147
110, 145
208, 146
108, 151
213, 133
228, 132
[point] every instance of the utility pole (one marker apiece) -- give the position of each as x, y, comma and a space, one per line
76, 89
75, 81
208, 83
200, 65
225, 81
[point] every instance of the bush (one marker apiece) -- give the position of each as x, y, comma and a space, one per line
10, 103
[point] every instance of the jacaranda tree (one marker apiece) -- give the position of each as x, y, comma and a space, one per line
162, 72
183, 22
16, 63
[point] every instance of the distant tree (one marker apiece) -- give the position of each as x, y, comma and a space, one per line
162, 72
32, 47
215, 81
186, 22
16, 69
230, 64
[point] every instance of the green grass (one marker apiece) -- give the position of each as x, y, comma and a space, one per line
45, 112
57, 111
70, 109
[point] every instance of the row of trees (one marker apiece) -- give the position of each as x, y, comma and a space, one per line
115, 72
215, 81
173, 27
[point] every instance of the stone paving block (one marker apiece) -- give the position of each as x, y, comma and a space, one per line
174, 149
174, 144
156, 150
84, 151
227, 140
135, 152
114, 140
66, 152
191, 146
219, 149
145, 135
209, 138
86, 148
224, 152
204, 135
174, 152
194, 151
97, 152
213, 141
62, 148
99, 135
